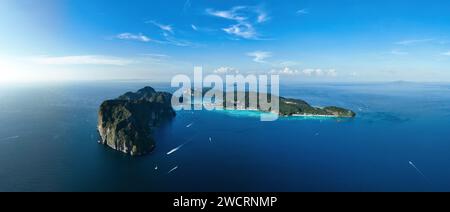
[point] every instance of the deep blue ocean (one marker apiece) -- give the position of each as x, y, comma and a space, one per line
48, 142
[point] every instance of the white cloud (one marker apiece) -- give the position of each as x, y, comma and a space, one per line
306, 72
413, 41
168, 39
226, 70
245, 18
260, 56
303, 11
287, 63
332, 73
313, 72
187, 5
446, 53
398, 52
168, 32
203, 29
135, 37
176, 42
285, 71
243, 30
262, 17
167, 28
82, 60
155, 55
232, 14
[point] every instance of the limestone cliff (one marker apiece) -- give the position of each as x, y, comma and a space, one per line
127, 123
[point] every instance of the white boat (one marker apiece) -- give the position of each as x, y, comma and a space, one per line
174, 168
175, 149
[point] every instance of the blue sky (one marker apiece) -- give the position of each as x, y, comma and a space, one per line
316, 40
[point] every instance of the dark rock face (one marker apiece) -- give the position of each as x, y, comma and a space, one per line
127, 123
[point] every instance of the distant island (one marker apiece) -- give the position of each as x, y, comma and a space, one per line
295, 107
127, 124
288, 106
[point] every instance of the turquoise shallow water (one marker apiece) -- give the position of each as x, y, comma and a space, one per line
48, 142
257, 114
240, 113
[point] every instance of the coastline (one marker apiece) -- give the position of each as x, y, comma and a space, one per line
256, 113
312, 115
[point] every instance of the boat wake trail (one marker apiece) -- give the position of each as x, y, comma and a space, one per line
174, 168
176, 149
418, 171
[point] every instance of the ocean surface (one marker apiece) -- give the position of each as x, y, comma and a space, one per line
400, 141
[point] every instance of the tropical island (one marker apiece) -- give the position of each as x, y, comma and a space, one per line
296, 107
127, 123
288, 106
